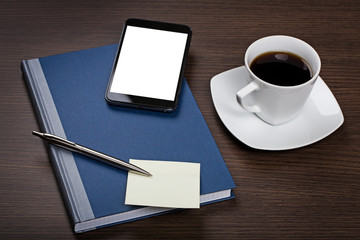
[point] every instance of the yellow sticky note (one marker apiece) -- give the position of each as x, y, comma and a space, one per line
172, 184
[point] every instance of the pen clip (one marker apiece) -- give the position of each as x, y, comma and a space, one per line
58, 140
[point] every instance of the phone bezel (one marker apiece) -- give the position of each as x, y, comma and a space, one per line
146, 102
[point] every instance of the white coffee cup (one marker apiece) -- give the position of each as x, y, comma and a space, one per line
277, 104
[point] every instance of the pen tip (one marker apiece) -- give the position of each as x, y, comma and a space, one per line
147, 174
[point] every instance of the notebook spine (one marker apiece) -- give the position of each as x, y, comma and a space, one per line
62, 161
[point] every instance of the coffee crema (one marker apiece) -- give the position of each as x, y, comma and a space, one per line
281, 68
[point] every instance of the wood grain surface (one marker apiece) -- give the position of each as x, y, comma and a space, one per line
307, 193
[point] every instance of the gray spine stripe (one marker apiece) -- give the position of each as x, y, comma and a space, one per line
64, 160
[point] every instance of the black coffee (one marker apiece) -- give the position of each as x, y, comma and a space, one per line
281, 68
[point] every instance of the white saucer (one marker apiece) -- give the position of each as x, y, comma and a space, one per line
320, 116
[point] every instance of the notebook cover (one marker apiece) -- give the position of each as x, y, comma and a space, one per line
68, 96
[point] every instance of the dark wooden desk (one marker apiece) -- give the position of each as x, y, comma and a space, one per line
307, 193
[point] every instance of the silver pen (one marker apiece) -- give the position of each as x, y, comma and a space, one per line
71, 146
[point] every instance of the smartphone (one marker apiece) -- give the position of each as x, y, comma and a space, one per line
149, 66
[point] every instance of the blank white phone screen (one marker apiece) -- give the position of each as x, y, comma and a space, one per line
149, 63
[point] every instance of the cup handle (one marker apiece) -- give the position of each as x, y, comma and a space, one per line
245, 91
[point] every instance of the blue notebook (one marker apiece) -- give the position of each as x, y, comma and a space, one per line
67, 92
